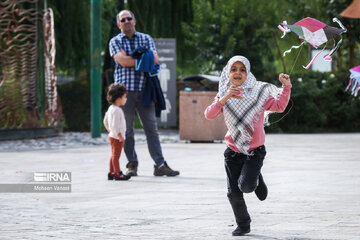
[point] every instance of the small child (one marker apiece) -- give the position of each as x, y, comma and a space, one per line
115, 124
243, 100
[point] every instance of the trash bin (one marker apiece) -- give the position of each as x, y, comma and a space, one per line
199, 93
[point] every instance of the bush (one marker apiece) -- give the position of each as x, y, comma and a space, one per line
75, 97
320, 104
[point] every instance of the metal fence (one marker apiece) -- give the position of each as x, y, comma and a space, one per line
28, 95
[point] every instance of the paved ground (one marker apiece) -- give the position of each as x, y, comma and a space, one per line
313, 180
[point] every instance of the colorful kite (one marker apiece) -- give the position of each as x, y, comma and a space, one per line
354, 83
314, 32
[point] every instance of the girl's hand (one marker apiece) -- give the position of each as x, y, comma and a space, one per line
231, 93
284, 79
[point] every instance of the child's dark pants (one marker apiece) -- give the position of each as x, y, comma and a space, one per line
242, 176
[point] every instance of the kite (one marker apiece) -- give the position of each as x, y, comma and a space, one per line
354, 83
314, 32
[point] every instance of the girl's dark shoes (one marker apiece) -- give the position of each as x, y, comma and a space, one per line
239, 231
261, 191
118, 176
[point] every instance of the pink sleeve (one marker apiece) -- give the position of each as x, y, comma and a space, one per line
280, 104
214, 110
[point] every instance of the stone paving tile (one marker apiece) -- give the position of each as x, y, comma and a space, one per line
77, 139
313, 180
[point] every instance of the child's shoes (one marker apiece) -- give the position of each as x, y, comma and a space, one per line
111, 175
117, 176
121, 177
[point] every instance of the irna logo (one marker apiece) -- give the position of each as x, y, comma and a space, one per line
52, 176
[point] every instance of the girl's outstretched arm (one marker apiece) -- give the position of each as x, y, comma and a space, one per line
280, 104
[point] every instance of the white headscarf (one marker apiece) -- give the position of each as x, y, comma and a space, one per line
240, 114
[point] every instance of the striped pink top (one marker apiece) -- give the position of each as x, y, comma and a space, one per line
279, 105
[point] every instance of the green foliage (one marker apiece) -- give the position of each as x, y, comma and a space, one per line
75, 97
108, 19
72, 33
208, 32
13, 110
320, 104
222, 29
163, 19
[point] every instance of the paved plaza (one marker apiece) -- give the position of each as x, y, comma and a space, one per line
313, 181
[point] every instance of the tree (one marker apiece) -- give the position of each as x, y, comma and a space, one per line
72, 33
222, 29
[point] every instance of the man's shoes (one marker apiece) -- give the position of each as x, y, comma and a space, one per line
165, 170
132, 168
261, 191
240, 231
121, 177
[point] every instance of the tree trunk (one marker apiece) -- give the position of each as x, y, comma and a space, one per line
352, 48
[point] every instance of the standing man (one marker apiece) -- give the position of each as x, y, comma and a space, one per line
121, 46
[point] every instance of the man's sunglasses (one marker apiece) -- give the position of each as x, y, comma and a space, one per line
127, 18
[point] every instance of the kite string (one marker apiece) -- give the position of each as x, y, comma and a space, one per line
292, 104
296, 59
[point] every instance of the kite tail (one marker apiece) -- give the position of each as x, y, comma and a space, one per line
283, 28
313, 45
312, 61
353, 86
350, 81
357, 90
340, 24
288, 51
328, 57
